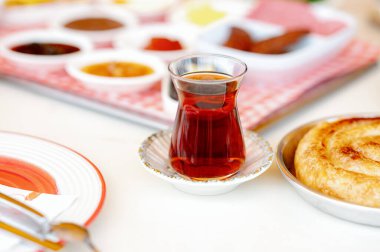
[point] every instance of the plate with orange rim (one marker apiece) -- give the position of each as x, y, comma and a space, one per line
42, 166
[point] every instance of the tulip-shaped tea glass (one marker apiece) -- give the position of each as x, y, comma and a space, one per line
207, 141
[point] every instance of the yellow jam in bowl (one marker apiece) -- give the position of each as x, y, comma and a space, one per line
118, 69
204, 14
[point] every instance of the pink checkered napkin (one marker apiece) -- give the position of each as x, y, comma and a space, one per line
257, 104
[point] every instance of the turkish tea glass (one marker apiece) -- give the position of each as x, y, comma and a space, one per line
207, 141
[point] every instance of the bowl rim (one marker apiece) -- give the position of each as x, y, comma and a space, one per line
212, 182
134, 7
295, 182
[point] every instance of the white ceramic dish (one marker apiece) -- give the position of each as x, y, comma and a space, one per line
232, 9
73, 173
117, 84
312, 51
139, 38
29, 15
170, 105
147, 11
154, 157
44, 62
341, 209
128, 20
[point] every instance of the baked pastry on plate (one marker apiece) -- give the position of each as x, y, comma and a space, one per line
342, 159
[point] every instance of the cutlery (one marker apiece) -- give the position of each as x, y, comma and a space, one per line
32, 225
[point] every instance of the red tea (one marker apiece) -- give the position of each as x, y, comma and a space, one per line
207, 141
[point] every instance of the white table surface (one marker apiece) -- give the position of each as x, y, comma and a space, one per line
143, 213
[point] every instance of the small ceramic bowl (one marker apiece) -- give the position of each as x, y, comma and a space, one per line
139, 38
345, 210
228, 9
154, 157
46, 62
117, 84
170, 104
128, 20
147, 11
30, 14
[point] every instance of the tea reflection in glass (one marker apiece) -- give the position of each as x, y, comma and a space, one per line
207, 140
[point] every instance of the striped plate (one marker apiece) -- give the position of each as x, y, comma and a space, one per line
73, 173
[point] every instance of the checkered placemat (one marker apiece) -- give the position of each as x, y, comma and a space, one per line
257, 103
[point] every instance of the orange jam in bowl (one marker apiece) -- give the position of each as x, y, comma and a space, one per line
118, 69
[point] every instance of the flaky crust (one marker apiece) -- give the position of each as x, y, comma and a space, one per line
342, 159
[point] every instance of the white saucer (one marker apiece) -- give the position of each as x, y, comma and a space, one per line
154, 156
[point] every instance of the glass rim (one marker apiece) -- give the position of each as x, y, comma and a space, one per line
233, 78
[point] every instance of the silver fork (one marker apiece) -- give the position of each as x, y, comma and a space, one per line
33, 226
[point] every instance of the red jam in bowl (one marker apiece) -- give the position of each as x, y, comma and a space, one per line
163, 44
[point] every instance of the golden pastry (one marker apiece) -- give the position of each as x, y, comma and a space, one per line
342, 159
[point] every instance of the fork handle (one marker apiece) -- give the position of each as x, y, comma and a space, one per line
42, 242
20, 204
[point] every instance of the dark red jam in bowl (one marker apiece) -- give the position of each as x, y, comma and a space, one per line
45, 48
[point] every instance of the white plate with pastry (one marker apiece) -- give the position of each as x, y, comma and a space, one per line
334, 165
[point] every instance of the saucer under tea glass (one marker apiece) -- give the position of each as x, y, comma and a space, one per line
207, 140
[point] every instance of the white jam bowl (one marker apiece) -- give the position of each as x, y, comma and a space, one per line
44, 62
117, 84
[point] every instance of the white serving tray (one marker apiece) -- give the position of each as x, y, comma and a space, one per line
309, 53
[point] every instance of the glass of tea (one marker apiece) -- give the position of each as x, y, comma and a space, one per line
207, 141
